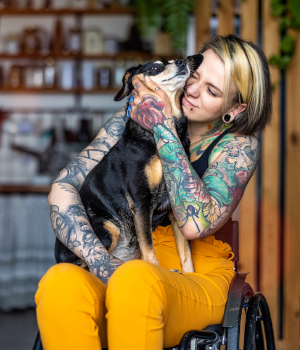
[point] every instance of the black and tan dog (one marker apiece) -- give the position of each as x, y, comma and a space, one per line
125, 195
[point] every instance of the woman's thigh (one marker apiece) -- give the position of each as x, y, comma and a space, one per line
154, 307
71, 309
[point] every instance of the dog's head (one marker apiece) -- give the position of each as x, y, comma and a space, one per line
170, 76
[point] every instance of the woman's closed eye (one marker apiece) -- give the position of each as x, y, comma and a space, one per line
211, 92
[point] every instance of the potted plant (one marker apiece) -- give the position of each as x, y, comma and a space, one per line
168, 16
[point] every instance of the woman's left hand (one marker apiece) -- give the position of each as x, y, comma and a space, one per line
150, 105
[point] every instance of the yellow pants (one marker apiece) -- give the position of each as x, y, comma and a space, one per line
144, 306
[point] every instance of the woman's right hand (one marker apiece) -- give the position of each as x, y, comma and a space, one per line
102, 265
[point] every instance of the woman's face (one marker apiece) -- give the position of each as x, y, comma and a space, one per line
204, 94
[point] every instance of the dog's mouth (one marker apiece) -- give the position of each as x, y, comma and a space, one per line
183, 73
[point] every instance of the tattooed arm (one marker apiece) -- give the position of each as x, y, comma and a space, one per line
69, 219
200, 206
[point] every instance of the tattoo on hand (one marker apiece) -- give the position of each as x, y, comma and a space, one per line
157, 89
136, 85
149, 112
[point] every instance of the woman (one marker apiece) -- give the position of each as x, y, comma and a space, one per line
146, 306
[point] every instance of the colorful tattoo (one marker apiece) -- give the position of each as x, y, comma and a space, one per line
200, 205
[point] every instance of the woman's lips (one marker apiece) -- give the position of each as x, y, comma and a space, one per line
186, 102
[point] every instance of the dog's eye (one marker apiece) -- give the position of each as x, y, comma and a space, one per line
155, 68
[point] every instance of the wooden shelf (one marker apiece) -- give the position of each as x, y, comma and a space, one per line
68, 11
122, 54
58, 91
24, 189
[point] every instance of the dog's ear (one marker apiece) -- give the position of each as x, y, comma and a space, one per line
194, 61
127, 85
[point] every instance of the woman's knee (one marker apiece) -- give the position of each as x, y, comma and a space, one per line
64, 280
135, 277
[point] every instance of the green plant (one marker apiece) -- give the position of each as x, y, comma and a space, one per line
171, 16
289, 18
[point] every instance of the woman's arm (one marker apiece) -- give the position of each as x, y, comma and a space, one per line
200, 206
69, 219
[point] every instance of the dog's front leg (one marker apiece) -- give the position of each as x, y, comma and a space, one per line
183, 247
142, 224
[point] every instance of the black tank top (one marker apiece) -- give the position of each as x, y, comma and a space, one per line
200, 166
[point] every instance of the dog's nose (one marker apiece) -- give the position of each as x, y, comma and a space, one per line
181, 62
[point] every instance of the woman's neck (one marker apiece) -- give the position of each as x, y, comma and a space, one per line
200, 131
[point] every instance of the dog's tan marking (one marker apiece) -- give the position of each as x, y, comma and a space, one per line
183, 247
114, 232
175, 104
147, 250
154, 172
130, 202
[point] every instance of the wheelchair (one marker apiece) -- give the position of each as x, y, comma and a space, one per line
258, 330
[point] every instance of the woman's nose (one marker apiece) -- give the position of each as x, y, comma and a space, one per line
193, 89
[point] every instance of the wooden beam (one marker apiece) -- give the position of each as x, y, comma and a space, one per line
225, 17
291, 330
202, 16
269, 280
248, 206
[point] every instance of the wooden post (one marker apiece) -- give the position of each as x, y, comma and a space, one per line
225, 17
270, 179
247, 216
291, 330
202, 16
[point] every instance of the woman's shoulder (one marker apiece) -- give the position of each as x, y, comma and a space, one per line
237, 148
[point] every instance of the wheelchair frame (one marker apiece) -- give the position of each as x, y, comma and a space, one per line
258, 327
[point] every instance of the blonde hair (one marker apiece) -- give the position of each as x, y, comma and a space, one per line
246, 64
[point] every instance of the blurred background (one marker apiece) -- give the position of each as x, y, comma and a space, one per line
62, 61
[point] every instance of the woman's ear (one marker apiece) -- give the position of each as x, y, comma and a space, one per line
127, 86
237, 110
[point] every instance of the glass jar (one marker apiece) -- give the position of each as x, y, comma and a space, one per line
12, 44
79, 4
28, 76
31, 41
93, 42
14, 77
38, 77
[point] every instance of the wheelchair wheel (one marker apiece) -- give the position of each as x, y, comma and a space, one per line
258, 330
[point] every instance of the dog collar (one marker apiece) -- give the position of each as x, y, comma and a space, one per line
129, 106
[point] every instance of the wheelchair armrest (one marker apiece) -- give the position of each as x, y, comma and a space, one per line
234, 302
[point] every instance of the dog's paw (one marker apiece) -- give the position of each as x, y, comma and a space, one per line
188, 268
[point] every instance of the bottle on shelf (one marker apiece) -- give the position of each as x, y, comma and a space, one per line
67, 75
120, 69
104, 77
75, 40
49, 73
88, 75
57, 40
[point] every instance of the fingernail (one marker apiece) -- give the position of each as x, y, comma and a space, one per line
147, 78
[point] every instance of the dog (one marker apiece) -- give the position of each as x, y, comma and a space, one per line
125, 195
